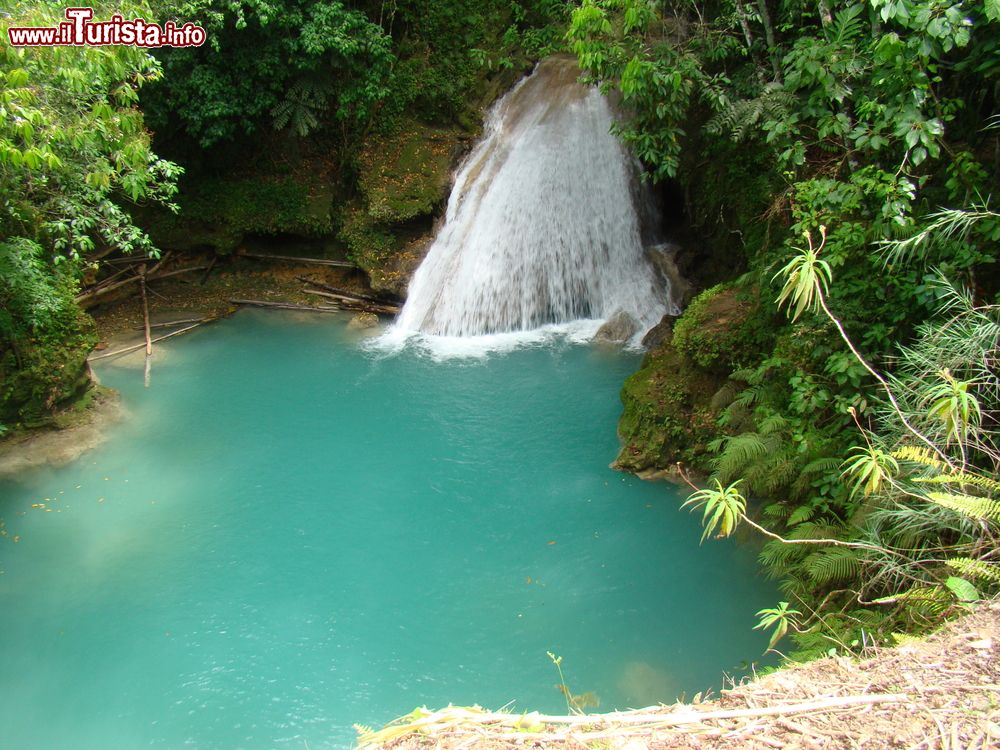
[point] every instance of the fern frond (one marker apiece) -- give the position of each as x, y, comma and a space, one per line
802, 514
980, 569
978, 508
772, 473
795, 588
749, 396
825, 465
830, 565
931, 599
725, 395
868, 618
745, 374
820, 529
961, 477
775, 553
741, 117
739, 451
922, 456
847, 26
772, 424
778, 510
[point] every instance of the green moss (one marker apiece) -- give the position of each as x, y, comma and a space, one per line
403, 180
47, 371
369, 243
723, 328
407, 173
669, 415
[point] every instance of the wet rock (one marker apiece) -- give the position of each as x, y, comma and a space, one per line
659, 333
664, 260
618, 329
363, 321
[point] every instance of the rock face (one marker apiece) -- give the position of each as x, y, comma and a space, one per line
618, 329
664, 260
403, 182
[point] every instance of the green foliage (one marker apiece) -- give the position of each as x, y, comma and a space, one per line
871, 128
871, 468
325, 66
74, 158
723, 508
781, 618
272, 62
806, 279
833, 565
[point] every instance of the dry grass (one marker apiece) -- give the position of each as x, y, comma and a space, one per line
941, 693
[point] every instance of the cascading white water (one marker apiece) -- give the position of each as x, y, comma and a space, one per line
542, 224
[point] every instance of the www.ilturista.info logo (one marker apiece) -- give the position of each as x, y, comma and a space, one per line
79, 31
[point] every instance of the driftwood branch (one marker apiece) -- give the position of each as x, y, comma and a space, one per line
343, 292
172, 323
145, 322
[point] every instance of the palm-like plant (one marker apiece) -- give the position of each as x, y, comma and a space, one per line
724, 507
781, 618
807, 278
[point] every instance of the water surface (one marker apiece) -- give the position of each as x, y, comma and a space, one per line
289, 535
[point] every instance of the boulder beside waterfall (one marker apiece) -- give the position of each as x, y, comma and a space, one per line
618, 329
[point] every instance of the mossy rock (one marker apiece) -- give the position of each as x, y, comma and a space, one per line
52, 371
407, 173
669, 413
667, 416
724, 328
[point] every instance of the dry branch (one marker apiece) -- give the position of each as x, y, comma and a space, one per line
172, 323
91, 295
282, 305
355, 303
344, 292
129, 349
583, 727
308, 261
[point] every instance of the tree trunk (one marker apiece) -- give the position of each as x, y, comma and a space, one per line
772, 46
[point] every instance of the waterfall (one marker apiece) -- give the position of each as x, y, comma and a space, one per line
543, 223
